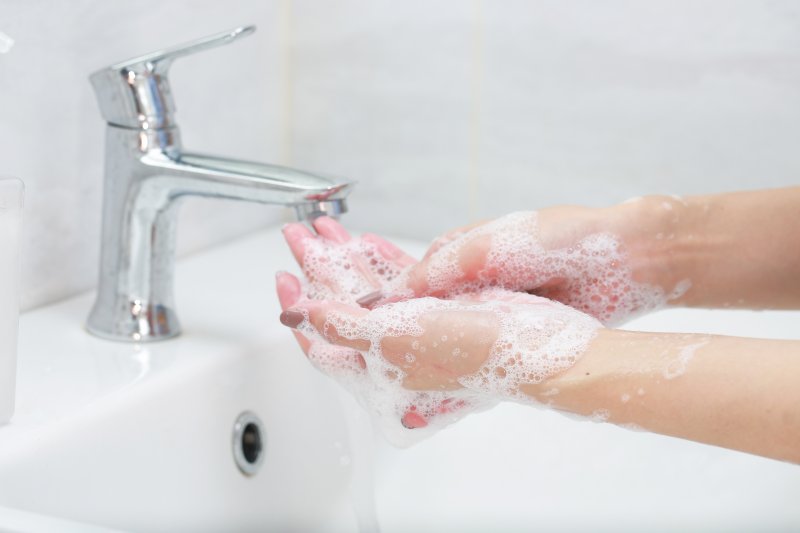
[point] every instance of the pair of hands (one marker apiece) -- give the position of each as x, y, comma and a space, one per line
429, 349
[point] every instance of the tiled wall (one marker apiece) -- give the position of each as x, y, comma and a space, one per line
454, 111
445, 112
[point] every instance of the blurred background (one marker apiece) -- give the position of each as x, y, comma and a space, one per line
444, 112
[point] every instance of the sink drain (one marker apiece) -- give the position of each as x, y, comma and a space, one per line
249, 442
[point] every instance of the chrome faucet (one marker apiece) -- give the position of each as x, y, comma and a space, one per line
147, 173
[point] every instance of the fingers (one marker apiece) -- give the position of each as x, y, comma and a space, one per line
453, 265
330, 229
413, 418
296, 235
450, 236
389, 251
289, 290
417, 279
324, 317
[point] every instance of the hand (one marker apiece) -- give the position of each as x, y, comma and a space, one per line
610, 263
460, 354
341, 269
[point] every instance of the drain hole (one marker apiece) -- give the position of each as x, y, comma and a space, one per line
249, 443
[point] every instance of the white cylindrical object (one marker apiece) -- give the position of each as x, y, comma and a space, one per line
11, 193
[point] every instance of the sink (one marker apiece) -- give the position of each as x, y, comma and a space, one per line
139, 438
120, 437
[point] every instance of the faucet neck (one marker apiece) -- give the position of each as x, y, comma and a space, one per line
135, 298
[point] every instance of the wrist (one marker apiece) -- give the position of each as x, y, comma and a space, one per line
594, 367
664, 242
619, 370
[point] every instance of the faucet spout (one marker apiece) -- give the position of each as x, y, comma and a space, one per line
311, 195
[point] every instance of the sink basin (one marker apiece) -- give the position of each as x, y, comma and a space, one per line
119, 437
139, 438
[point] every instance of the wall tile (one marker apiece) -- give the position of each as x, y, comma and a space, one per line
594, 102
381, 95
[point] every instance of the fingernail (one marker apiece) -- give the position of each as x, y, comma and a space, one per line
412, 420
369, 299
291, 318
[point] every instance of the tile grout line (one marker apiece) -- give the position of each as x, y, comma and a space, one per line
476, 90
285, 25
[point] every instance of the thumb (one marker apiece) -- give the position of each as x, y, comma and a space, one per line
327, 318
450, 266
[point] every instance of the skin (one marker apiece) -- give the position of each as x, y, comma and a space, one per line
738, 250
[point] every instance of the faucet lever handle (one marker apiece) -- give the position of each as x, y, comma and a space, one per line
136, 93
160, 60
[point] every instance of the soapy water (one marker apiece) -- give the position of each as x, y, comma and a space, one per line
526, 339
496, 342
593, 275
534, 338
344, 272
678, 365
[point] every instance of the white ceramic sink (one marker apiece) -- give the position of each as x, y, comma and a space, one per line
138, 438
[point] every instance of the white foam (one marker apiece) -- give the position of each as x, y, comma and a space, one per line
677, 367
600, 415
525, 340
532, 338
593, 275
344, 272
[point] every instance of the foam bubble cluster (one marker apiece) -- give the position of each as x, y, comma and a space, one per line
344, 272
593, 275
487, 347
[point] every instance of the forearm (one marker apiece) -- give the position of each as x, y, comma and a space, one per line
736, 250
732, 392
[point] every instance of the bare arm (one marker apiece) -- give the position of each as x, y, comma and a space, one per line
729, 250
733, 392
739, 249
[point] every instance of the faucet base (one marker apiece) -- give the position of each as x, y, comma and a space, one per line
142, 323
